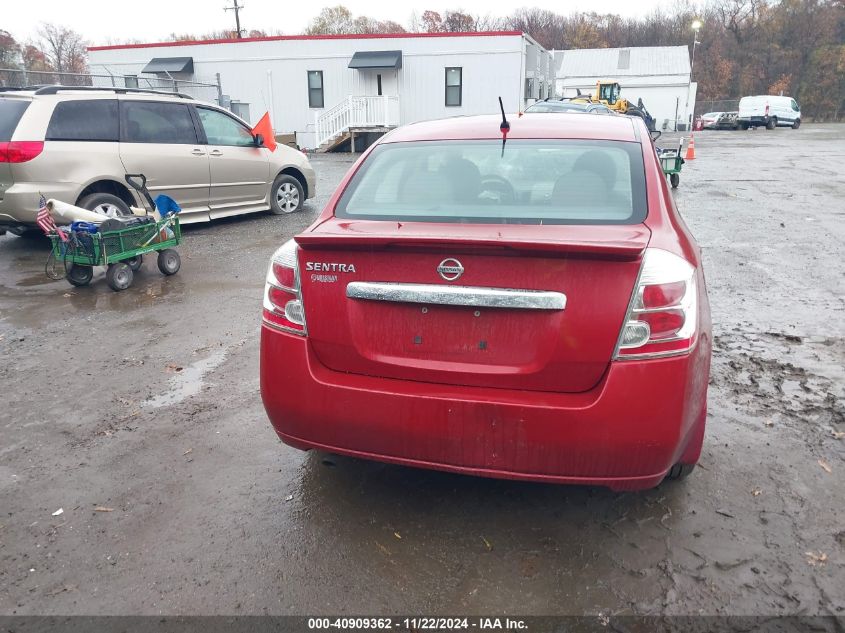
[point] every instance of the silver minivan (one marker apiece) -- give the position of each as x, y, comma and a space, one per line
76, 145
769, 112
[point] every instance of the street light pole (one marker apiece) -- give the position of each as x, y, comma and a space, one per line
696, 25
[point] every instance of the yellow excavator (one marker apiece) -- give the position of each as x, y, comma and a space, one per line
607, 93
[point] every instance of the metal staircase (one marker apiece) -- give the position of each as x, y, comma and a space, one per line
355, 114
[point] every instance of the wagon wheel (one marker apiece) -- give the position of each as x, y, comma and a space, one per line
674, 179
135, 262
79, 275
169, 261
119, 276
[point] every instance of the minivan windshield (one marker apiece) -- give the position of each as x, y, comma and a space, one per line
11, 111
473, 181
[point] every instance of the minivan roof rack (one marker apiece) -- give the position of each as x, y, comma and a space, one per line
51, 90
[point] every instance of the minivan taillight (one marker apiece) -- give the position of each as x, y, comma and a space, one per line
20, 151
282, 298
767, 109
662, 317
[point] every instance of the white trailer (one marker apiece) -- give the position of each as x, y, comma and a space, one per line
328, 88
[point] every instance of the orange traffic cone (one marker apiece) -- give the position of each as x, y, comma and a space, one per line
690, 148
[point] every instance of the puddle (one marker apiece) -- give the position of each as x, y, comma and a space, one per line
35, 280
187, 382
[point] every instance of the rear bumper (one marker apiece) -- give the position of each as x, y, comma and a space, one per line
626, 433
19, 204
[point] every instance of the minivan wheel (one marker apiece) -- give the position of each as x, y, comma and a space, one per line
772, 123
286, 195
796, 124
105, 203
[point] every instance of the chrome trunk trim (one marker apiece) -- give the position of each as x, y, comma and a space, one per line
473, 296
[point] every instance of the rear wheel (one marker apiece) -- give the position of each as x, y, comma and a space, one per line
169, 262
743, 126
79, 275
119, 276
675, 179
105, 203
772, 123
679, 471
796, 124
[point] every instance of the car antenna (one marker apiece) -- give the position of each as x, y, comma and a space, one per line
504, 127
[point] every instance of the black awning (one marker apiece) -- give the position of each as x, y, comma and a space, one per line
376, 59
170, 65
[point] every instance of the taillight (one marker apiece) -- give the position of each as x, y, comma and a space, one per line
767, 109
20, 151
661, 319
282, 297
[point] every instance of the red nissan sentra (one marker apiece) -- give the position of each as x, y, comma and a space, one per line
533, 310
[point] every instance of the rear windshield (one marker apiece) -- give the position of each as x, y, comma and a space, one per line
11, 111
533, 182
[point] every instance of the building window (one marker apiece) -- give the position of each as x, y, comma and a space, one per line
315, 88
131, 81
454, 86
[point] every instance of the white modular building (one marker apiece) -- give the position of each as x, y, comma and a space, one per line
330, 89
659, 75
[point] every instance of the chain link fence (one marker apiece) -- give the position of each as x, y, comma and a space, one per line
16, 78
719, 105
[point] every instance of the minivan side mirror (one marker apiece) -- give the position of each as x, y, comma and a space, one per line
259, 140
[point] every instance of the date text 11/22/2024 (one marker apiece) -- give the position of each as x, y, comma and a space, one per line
417, 624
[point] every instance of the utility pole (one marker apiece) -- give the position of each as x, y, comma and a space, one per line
236, 8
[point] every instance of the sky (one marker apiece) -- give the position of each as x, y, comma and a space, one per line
111, 21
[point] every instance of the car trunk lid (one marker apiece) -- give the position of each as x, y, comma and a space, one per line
540, 310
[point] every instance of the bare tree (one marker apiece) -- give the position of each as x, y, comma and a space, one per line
458, 22
64, 48
335, 20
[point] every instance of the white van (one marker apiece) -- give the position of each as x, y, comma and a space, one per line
768, 111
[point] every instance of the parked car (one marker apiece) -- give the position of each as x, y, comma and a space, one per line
530, 309
568, 106
719, 121
709, 119
769, 112
77, 144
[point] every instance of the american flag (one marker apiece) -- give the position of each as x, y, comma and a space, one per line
45, 220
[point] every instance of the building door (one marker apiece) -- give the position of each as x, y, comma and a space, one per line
387, 82
383, 82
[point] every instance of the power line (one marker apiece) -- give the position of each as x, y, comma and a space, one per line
236, 8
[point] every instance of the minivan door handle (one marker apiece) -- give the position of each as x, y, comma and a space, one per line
216, 152
198, 152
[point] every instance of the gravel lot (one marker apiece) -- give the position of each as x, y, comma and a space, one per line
178, 498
